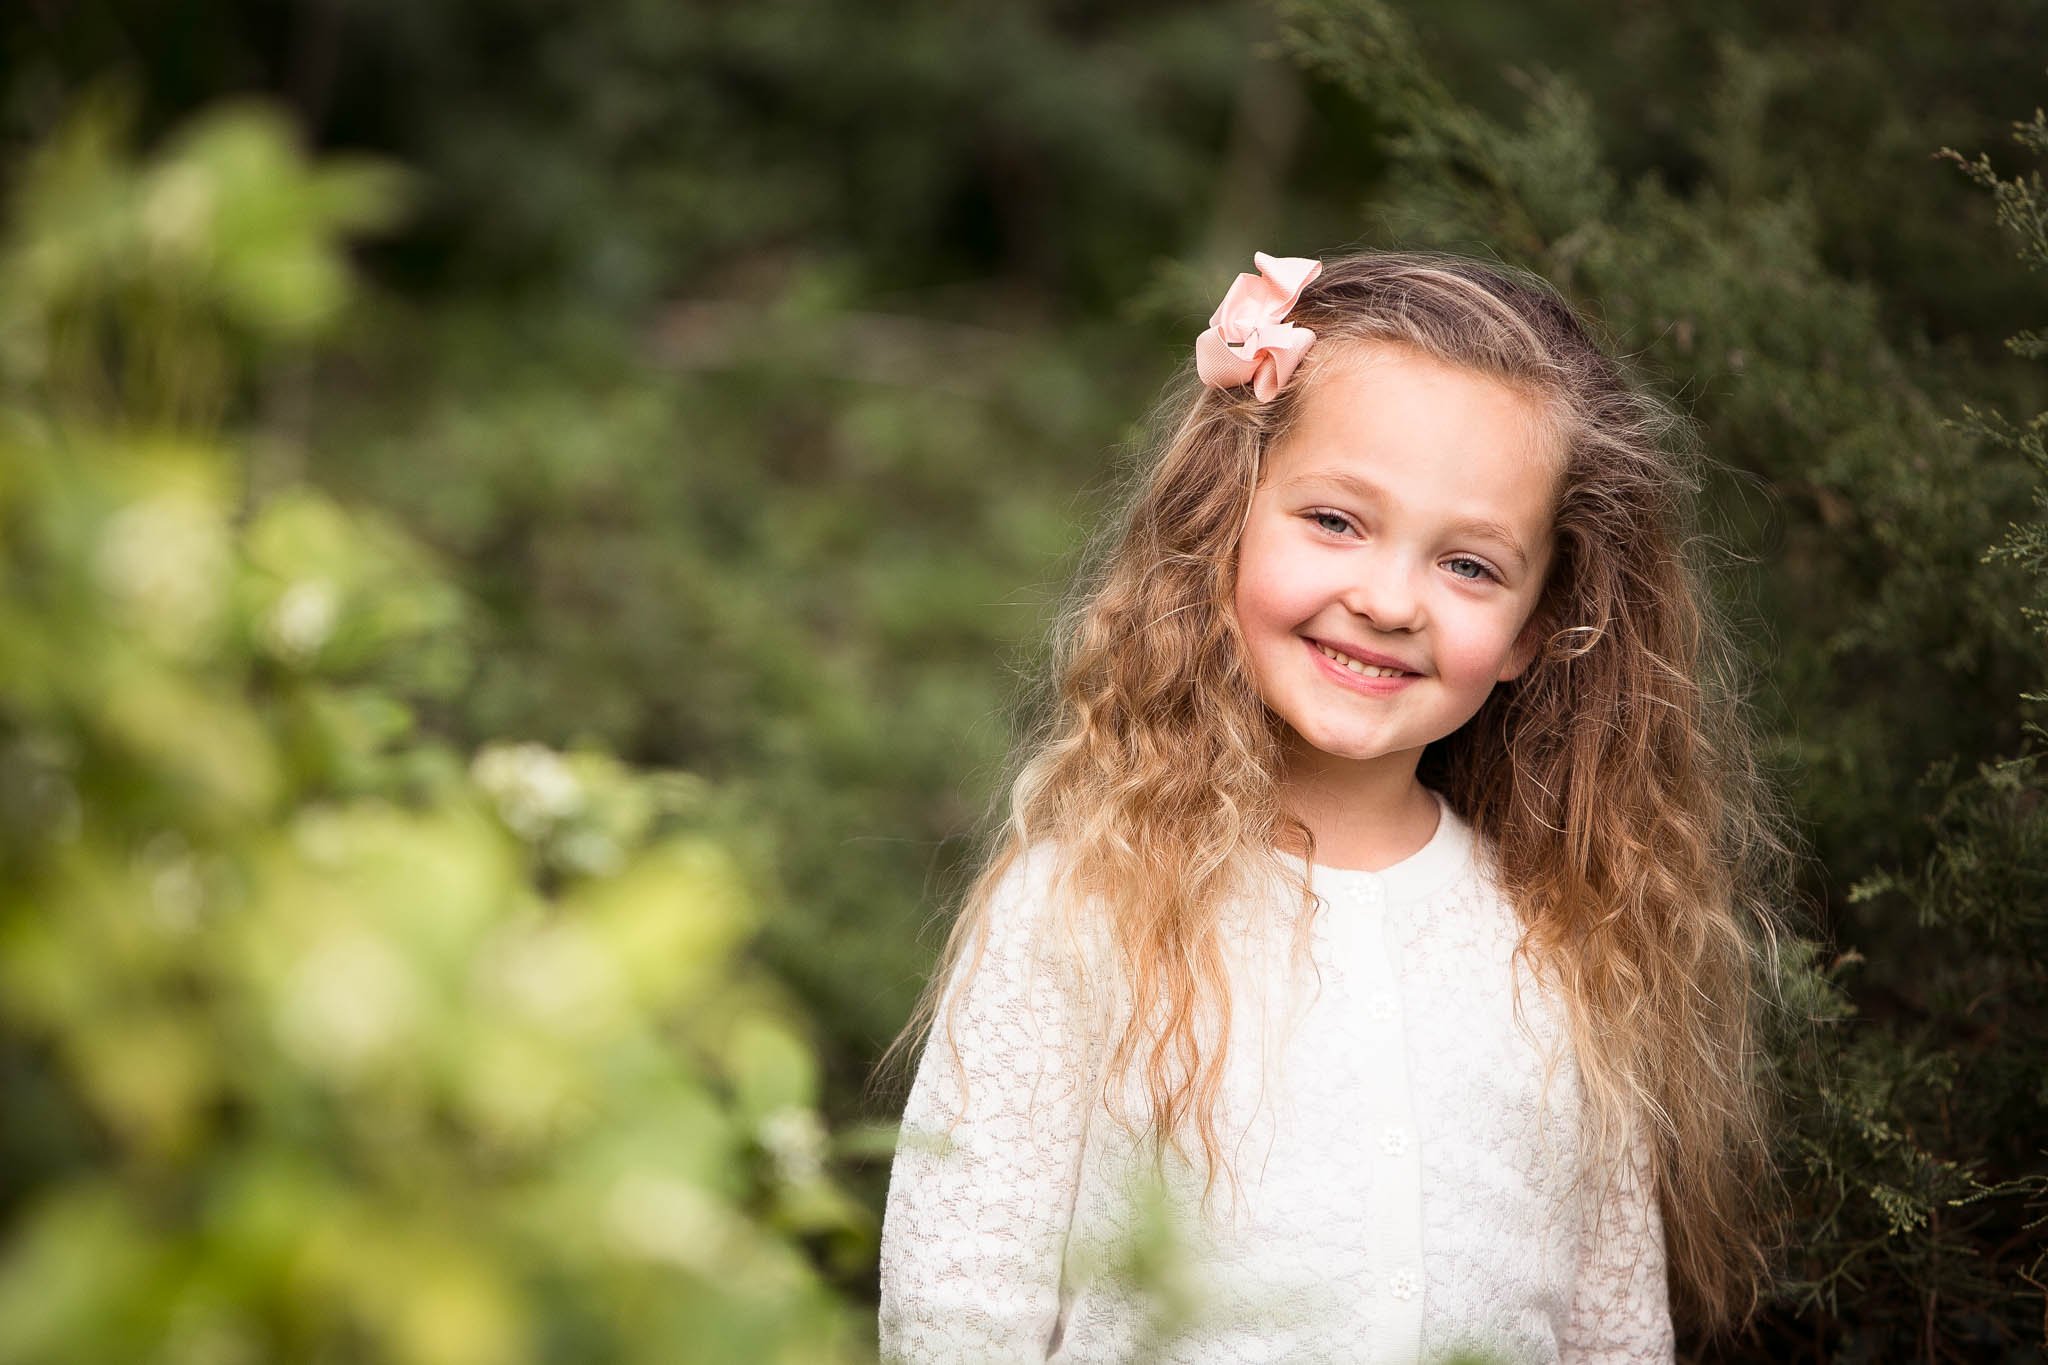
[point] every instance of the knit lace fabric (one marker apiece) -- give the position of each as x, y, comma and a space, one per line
1403, 1189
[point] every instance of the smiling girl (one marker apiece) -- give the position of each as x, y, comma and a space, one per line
1392, 861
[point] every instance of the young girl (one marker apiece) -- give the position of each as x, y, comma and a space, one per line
1392, 849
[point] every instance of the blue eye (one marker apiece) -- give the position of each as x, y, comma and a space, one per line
1484, 572
1320, 517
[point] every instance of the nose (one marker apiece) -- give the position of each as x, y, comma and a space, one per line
1385, 594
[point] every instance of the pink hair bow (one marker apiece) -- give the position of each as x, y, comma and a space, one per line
1247, 340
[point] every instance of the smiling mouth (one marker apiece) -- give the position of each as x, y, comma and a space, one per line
1363, 669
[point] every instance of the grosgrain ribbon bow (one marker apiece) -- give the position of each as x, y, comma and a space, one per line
1248, 340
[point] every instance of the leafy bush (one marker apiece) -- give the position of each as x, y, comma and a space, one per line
321, 1039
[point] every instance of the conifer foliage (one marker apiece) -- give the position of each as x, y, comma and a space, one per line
1917, 1079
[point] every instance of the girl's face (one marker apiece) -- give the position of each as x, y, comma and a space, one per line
1404, 523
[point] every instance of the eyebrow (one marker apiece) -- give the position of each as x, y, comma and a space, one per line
1370, 492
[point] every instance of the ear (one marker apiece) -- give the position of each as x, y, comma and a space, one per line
1524, 652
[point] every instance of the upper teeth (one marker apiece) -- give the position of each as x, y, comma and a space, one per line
1369, 670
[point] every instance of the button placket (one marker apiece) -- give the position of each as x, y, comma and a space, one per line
1390, 1130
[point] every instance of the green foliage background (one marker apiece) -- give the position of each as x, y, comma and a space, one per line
522, 528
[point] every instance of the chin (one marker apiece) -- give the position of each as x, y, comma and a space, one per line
1350, 750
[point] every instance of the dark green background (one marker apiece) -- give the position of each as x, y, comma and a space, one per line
753, 373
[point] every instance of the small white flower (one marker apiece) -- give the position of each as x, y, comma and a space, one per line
795, 1140
532, 785
1394, 1140
302, 620
1403, 1284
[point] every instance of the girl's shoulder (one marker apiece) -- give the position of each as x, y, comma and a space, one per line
1034, 901
1031, 882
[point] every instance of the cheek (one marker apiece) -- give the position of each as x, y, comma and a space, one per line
1273, 588
1480, 647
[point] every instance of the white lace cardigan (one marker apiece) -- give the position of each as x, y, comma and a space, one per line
1401, 1194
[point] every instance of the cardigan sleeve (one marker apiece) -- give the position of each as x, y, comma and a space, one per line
975, 1223
1620, 1312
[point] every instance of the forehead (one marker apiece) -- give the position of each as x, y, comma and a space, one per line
1432, 435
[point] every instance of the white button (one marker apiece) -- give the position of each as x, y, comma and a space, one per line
1403, 1284
1394, 1140
1379, 1007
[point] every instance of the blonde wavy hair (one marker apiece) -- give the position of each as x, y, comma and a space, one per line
1642, 846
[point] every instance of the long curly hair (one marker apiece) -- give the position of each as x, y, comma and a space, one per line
1645, 852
